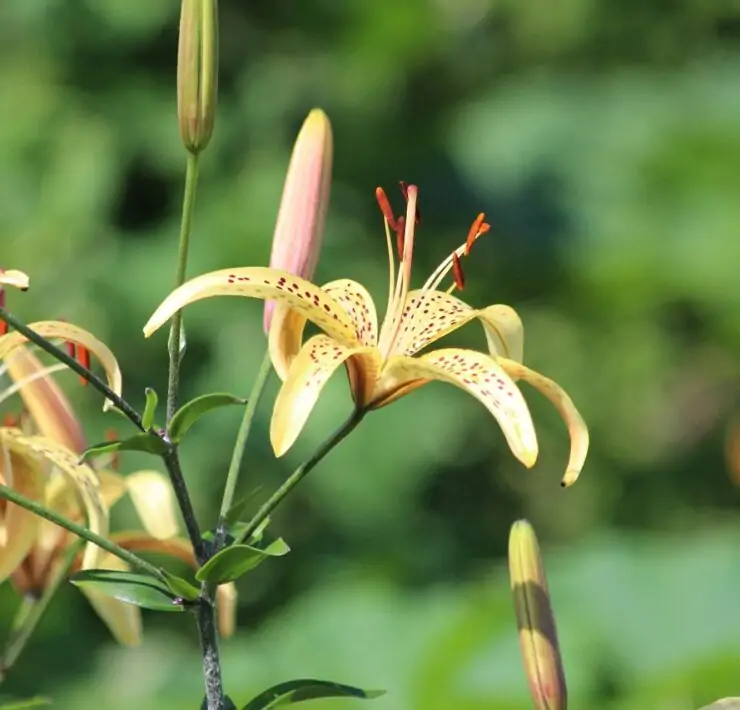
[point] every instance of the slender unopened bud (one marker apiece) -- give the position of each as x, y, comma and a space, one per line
535, 620
197, 72
300, 224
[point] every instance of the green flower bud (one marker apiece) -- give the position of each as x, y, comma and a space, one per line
197, 72
535, 620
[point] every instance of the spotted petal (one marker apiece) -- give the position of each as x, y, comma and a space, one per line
123, 620
577, 428
285, 338
73, 334
310, 371
260, 282
479, 375
18, 526
429, 316
50, 409
80, 476
358, 303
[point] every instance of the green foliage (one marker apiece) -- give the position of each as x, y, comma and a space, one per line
146, 442
131, 587
150, 409
24, 704
191, 412
236, 560
296, 691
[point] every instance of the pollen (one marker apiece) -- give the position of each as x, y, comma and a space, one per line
385, 207
82, 355
479, 227
457, 271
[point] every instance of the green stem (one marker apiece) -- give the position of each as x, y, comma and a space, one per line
174, 469
241, 441
73, 365
32, 610
188, 208
299, 474
79, 530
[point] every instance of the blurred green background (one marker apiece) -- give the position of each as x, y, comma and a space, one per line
602, 139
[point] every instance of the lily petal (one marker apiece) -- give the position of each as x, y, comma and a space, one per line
112, 487
14, 278
429, 316
19, 526
310, 371
357, 301
577, 428
123, 620
285, 338
80, 476
152, 496
50, 409
265, 283
71, 333
479, 375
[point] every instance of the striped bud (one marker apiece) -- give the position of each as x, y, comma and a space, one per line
197, 72
535, 620
300, 224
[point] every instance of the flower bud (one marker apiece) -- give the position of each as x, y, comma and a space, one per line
537, 635
16, 279
197, 72
300, 224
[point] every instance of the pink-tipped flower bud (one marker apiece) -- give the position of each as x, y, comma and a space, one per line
197, 72
300, 224
537, 635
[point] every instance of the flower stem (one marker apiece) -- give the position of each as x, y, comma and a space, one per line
297, 476
32, 610
175, 341
174, 469
206, 619
241, 441
73, 365
79, 530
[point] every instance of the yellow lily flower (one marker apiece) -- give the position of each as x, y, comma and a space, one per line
384, 363
33, 461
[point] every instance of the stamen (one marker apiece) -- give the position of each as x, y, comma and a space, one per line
405, 192
83, 357
385, 207
476, 229
400, 231
457, 271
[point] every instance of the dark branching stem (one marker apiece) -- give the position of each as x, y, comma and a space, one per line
171, 458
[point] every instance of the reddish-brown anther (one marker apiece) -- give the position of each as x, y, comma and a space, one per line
385, 207
400, 230
3, 324
83, 357
478, 227
457, 271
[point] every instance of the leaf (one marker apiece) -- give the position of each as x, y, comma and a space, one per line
36, 702
131, 587
147, 418
147, 442
296, 691
181, 587
191, 412
232, 562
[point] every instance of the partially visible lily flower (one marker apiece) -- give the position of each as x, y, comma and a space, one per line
43, 464
299, 229
384, 362
17, 279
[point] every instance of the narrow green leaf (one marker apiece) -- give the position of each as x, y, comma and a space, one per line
189, 413
232, 562
181, 587
147, 442
36, 702
150, 409
238, 528
296, 691
131, 587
